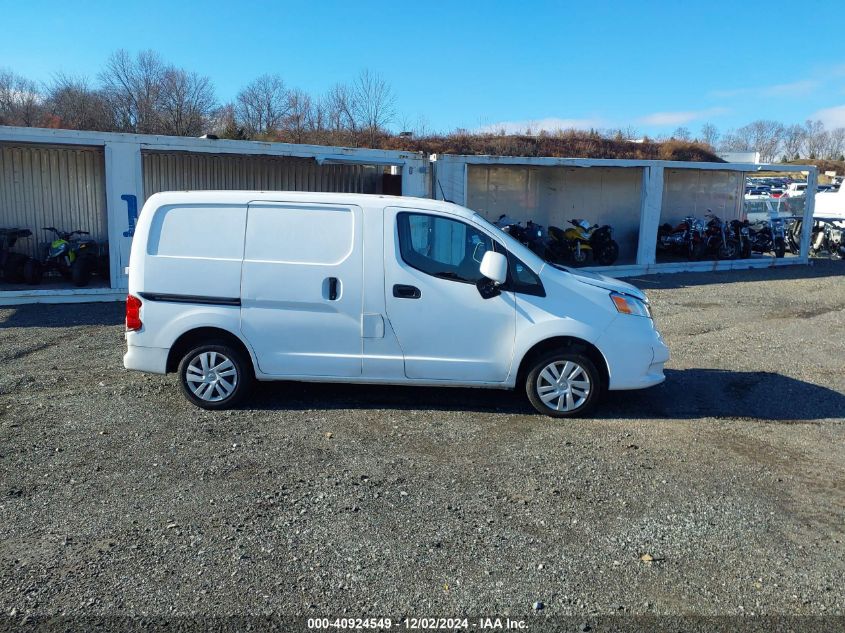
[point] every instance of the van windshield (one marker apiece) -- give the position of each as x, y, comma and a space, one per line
511, 243
506, 237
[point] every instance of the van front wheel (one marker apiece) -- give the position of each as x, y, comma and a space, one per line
214, 376
563, 384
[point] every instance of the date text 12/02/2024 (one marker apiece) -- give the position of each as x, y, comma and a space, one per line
423, 624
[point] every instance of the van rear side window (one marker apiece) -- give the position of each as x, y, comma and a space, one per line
198, 231
297, 234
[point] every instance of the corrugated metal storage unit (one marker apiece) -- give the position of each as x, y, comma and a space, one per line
178, 171
551, 196
633, 196
52, 185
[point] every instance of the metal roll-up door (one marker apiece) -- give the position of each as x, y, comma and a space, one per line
52, 185
180, 171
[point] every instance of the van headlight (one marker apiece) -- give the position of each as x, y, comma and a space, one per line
626, 304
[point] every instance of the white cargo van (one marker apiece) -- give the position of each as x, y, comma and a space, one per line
226, 287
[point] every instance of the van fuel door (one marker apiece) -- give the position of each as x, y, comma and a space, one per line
372, 326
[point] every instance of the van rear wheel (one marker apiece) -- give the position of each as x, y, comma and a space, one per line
214, 375
563, 384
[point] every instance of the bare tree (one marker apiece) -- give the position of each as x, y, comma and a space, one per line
300, 118
373, 103
262, 106
74, 104
317, 120
339, 106
186, 103
224, 123
21, 102
763, 136
133, 89
815, 138
794, 137
709, 135
682, 134
735, 141
421, 128
629, 133
835, 143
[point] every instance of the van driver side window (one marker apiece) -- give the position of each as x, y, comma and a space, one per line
451, 249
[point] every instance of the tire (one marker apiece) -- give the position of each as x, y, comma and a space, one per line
216, 389
541, 378
608, 254
730, 250
103, 267
33, 272
779, 247
696, 250
575, 260
13, 269
80, 272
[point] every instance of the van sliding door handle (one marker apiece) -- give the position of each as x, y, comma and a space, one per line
333, 288
402, 291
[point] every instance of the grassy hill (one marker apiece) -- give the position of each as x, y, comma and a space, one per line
568, 145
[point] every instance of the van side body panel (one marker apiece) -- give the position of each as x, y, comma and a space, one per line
301, 296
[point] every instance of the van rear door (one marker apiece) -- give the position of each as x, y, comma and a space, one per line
301, 288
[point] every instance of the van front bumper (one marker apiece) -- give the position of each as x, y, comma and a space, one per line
635, 353
148, 359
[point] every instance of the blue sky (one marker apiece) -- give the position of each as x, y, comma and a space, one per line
470, 64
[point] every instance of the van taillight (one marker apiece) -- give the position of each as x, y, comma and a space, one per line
133, 313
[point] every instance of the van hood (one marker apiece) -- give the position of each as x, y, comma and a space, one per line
604, 282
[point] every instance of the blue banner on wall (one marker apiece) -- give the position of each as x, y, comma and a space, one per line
132, 212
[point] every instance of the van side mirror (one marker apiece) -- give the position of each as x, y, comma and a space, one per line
494, 267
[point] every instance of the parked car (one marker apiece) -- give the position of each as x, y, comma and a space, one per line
756, 193
229, 287
795, 190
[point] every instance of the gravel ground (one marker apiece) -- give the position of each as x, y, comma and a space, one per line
118, 497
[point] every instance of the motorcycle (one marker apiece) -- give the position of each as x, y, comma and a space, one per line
743, 232
719, 240
74, 257
828, 236
570, 246
769, 236
686, 238
576, 243
16, 267
531, 235
793, 234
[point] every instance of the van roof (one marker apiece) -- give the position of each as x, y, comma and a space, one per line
363, 200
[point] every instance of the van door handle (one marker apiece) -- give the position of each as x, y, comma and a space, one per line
406, 292
333, 288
